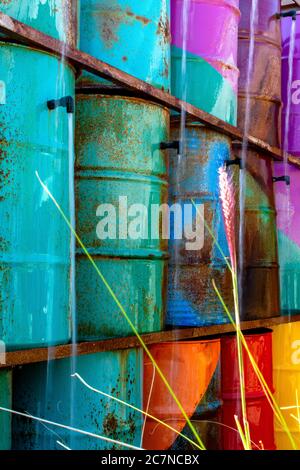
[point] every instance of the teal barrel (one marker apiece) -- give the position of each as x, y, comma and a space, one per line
121, 173
132, 35
5, 402
56, 18
192, 300
66, 400
34, 239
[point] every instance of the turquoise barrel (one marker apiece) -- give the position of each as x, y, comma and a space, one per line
132, 35
34, 239
5, 402
192, 300
121, 174
56, 18
66, 400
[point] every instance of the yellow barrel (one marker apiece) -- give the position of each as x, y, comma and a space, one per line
286, 360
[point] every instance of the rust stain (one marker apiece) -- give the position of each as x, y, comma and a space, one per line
142, 19
124, 58
163, 29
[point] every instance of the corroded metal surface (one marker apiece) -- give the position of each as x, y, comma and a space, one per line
31, 356
208, 43
81, 60
34, 239
259, 412
5, 402
51, 393
260, 268
265, 80
132, 35
58, 18
192, 300
118, 155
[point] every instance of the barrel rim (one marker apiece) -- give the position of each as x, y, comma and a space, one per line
86, 96
64, 61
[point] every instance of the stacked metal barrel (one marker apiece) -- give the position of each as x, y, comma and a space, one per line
35, 142
287, 337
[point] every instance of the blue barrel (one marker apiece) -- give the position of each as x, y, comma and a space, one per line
206, 419
192, 300
132, 35
57, 18
34, 239
119, 164
67, 401
5, 402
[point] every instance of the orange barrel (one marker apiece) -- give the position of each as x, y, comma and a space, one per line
189, 367
259, 411
265, 79
206, 419
286, 375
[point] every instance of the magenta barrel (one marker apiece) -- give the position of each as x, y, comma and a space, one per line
265, 92
294, 119
209, 77
287, 198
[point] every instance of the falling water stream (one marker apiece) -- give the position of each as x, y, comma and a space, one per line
243, 171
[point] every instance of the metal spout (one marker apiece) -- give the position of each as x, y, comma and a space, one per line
65, 102
285, 178
285, 14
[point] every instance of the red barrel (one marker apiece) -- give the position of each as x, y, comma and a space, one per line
259, 411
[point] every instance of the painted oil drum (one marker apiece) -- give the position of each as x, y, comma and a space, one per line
265, 79
286, 375
288, 225
196, 260
206, 419
259, 411
131, 35
51, 393
294, 115
260, 266
204, 55
5, 402
121, 174
56, 18
34, 239
196, 361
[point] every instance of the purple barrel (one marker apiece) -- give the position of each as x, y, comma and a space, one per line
294, 119
206, 33
287, 198
265, 91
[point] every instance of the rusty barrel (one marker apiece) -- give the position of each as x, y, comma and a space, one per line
56, 18
195, 259
34, 239
131, 35
189, 367
5, 402
265, 76
259, 412
204, 55
259, 268
206, 419
121, 182
286, 375
66, 400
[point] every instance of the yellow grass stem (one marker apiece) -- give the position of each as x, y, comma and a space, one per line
122, 310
